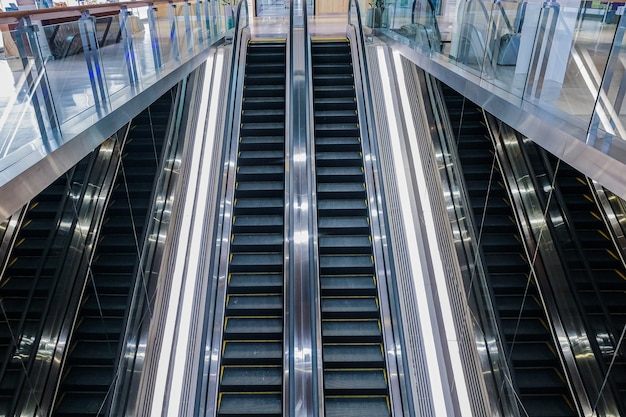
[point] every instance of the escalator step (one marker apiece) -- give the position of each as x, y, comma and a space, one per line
262, 188
263, 157
249, 378
254, 305
248, 404
347, 381
358, 406
337, 207
88, 377
546, 405
250, 103
332, 69
264, 91
256, 172
353, 355
344, 244
253, 352
80, 403
333, 79
250, 328
267, 242
333, 91
338, 143
108, 305
91, 352
335, 103
99, 327
246, 283
351, 330
335, 116
337, 130
254, 224
346, 264
354, 190
325, 159
349, 307
348, 285
344, 225
340, 174
256, 262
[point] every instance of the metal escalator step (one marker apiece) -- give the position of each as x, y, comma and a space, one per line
533, 354
351, 331
346, 264
88, 377
325, 159
253, 352
546, 405
510, 305
264, 157
344, 225
252, 206
253, 224
265, 78
338, 143
337, 130
336, 116
357, 406
108, 305
331, 56
264, 188
264, 241
249, 378
526, 329
262, 129
99, 327
264, 143
93, 352
247, 328
115, 262
344, 244
256, 305
80, 403
348, 285
256, 262
355, 381
27, 265
13, 307
540, 380
251, 283
33, 246
20, 285
335, 103
112, 283
264, 91
250, 103
509, 282
340, 174
353, 355
346, 91
349, 307
332, 69
338, 207
113, 243
37, 227
505, 262
255, 172
333, 79
352, 190
247, 404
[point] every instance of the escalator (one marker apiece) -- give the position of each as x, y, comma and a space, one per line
597, 273
95, 344
29, 280
251, 377
354, 369
535, 366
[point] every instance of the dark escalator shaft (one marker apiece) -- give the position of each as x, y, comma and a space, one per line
355, 378
535, 367
597, 273
28, 282
95, 345
252, 357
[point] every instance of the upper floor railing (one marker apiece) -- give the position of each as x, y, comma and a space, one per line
63, 69
563, 58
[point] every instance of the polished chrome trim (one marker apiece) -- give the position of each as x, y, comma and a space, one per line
8, 230
375, 196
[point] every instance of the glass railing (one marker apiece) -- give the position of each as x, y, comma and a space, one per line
566, 60
60, 77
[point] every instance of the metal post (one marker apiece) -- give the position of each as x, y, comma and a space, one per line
154, 37
200, 26
129, 50
38, 87
171, 14
92, 58
188, 36
207, 19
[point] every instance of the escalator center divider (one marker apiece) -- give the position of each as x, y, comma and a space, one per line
354, 363
251, 374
